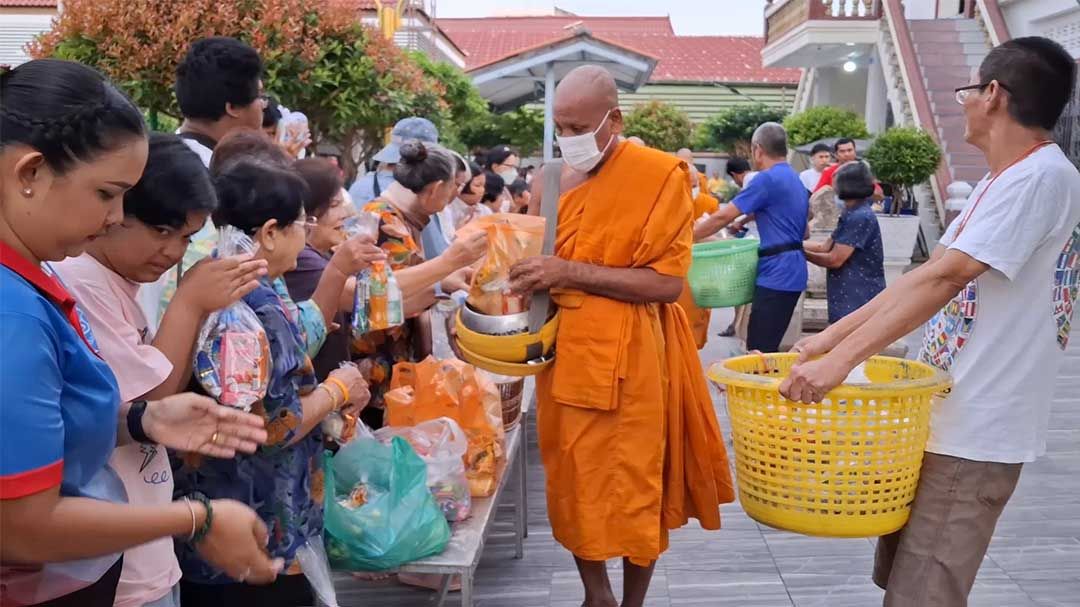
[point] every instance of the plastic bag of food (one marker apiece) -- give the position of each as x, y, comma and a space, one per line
232, 354
378, 303
451, 388
338, 426
316, 567
442, 444
511, 238
379, 513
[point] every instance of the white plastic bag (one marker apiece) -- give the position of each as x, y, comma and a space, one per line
316, 567
442, 444
232, 354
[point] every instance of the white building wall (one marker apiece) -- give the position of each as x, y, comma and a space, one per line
16, 31
1058, 20
833, 86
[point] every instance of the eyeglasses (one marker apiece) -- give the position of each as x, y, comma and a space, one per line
310, 223
964, 92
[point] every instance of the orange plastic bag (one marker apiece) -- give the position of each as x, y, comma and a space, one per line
511, 238
433, 388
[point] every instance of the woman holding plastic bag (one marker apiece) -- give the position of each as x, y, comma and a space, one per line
283, 480
424, 183
71, 144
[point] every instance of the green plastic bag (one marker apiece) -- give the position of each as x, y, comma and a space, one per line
398, 521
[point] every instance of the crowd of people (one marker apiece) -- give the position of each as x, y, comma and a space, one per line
124, 484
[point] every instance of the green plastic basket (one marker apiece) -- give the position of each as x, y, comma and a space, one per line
723, 272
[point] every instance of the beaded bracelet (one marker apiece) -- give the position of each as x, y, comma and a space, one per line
199, 535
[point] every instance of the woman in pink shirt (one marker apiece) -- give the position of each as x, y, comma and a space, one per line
166, 207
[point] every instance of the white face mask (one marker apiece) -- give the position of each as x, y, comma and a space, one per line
581, 151
695, 191
509, 176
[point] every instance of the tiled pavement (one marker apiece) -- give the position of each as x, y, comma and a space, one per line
1034, 559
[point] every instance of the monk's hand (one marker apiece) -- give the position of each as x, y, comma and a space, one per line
809, 382
537, 274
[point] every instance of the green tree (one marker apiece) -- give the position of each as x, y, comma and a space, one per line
463, 104
351, 82
823, 122
730, 130
904, 157
521, 129
661, 125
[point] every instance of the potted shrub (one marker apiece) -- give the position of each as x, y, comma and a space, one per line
902, 157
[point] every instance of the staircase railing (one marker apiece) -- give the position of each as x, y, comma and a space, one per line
915, 88
989, 13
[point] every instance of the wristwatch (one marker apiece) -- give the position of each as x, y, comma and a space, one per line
135, 422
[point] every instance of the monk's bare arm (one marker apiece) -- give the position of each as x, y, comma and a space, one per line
631, 285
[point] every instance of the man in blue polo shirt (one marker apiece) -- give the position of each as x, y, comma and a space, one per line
780, 205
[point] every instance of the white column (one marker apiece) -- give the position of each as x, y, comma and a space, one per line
877, 96
549, 113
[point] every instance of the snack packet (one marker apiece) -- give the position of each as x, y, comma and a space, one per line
232, 354
378, 303
511, 238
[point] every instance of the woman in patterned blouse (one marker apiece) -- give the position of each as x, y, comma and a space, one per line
424, 183
282, 481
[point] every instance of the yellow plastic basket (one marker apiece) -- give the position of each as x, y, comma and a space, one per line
846, 467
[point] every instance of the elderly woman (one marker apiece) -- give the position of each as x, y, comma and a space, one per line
425, 181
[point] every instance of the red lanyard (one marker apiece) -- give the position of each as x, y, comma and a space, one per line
47, 285
1019, 159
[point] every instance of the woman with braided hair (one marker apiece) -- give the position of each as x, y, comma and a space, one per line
71, 145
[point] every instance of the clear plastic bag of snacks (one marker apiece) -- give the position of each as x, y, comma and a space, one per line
511, 238
232, 354
442, 444
342, 427
378, 303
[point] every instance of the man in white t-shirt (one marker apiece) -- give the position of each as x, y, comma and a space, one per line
999, 294
820, 156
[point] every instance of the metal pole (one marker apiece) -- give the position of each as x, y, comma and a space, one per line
549, 113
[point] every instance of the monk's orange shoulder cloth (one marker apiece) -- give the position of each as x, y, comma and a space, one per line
630, 442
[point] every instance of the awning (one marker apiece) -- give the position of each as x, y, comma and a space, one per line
531, 74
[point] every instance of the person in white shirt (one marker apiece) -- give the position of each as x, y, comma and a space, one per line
820, 157
999, 293
219, 91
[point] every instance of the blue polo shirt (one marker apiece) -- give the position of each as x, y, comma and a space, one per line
781, 206
58, 413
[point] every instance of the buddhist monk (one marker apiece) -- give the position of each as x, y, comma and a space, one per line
704, 205
628, 436
636, 140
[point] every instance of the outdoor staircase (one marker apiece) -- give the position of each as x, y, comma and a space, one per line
949, 52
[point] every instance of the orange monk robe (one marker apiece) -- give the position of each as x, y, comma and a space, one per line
628, 435
704, 204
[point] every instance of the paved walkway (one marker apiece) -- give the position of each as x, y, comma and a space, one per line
1034, 559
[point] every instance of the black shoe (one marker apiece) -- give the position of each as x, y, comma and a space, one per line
728, 332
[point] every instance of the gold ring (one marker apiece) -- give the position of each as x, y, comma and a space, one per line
213, 438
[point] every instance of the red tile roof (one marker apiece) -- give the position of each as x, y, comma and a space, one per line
27, 3
731, 59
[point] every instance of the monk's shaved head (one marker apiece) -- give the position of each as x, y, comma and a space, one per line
589, 84
634, 139
587, 103
685, 155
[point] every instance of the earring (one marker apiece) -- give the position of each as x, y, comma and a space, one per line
28, 192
